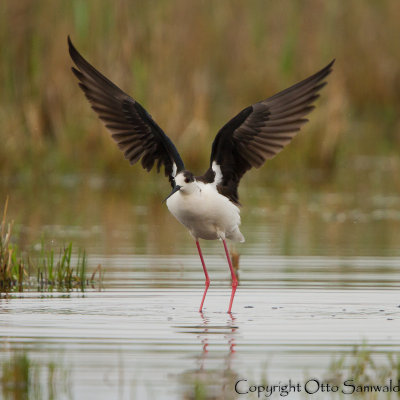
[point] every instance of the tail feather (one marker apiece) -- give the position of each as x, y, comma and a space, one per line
236, 236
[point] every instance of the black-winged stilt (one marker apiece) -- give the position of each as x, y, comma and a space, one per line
207, 205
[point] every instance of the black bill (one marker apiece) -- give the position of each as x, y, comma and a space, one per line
174, 190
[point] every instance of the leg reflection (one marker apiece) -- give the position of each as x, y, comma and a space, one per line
213, 375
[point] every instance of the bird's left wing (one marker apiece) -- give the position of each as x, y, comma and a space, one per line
261, 131
136, 133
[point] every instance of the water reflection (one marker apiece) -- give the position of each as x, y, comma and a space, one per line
153, 344
24, 377
109, 220
211, 380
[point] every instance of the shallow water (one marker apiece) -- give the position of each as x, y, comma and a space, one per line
319, 275
147, 343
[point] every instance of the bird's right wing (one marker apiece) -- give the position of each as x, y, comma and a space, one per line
136, 133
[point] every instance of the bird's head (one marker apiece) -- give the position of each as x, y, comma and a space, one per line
185, 183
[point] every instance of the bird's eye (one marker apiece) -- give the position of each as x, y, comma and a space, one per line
187, 180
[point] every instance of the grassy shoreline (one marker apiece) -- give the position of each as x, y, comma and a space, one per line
47, 271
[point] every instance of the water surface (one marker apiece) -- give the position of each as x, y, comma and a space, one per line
319, 277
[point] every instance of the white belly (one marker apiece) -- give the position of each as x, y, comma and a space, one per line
207, 214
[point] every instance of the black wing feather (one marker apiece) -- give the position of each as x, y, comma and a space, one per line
259, 132
131, 126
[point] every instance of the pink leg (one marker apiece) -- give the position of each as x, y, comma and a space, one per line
234, 280
205, 273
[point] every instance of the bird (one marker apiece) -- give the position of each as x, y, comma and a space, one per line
207, 205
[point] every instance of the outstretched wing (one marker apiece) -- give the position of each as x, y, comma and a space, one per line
261, 131
135, 132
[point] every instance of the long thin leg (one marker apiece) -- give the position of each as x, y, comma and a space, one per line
205, 273
234, 280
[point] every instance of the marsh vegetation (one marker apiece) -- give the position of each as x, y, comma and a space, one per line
40, 270
210, 60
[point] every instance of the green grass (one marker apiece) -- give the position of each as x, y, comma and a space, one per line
362, 365
22, 378
59, 270
363, 369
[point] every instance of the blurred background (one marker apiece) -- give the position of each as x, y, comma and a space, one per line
320, 265
193, 65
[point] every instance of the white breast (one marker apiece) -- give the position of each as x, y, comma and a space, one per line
206, 213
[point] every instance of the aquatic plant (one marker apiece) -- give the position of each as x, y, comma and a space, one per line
361, 369
23, 378
50, 270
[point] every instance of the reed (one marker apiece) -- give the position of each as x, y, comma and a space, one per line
363, 368
194, 65
50, 270
22, 377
